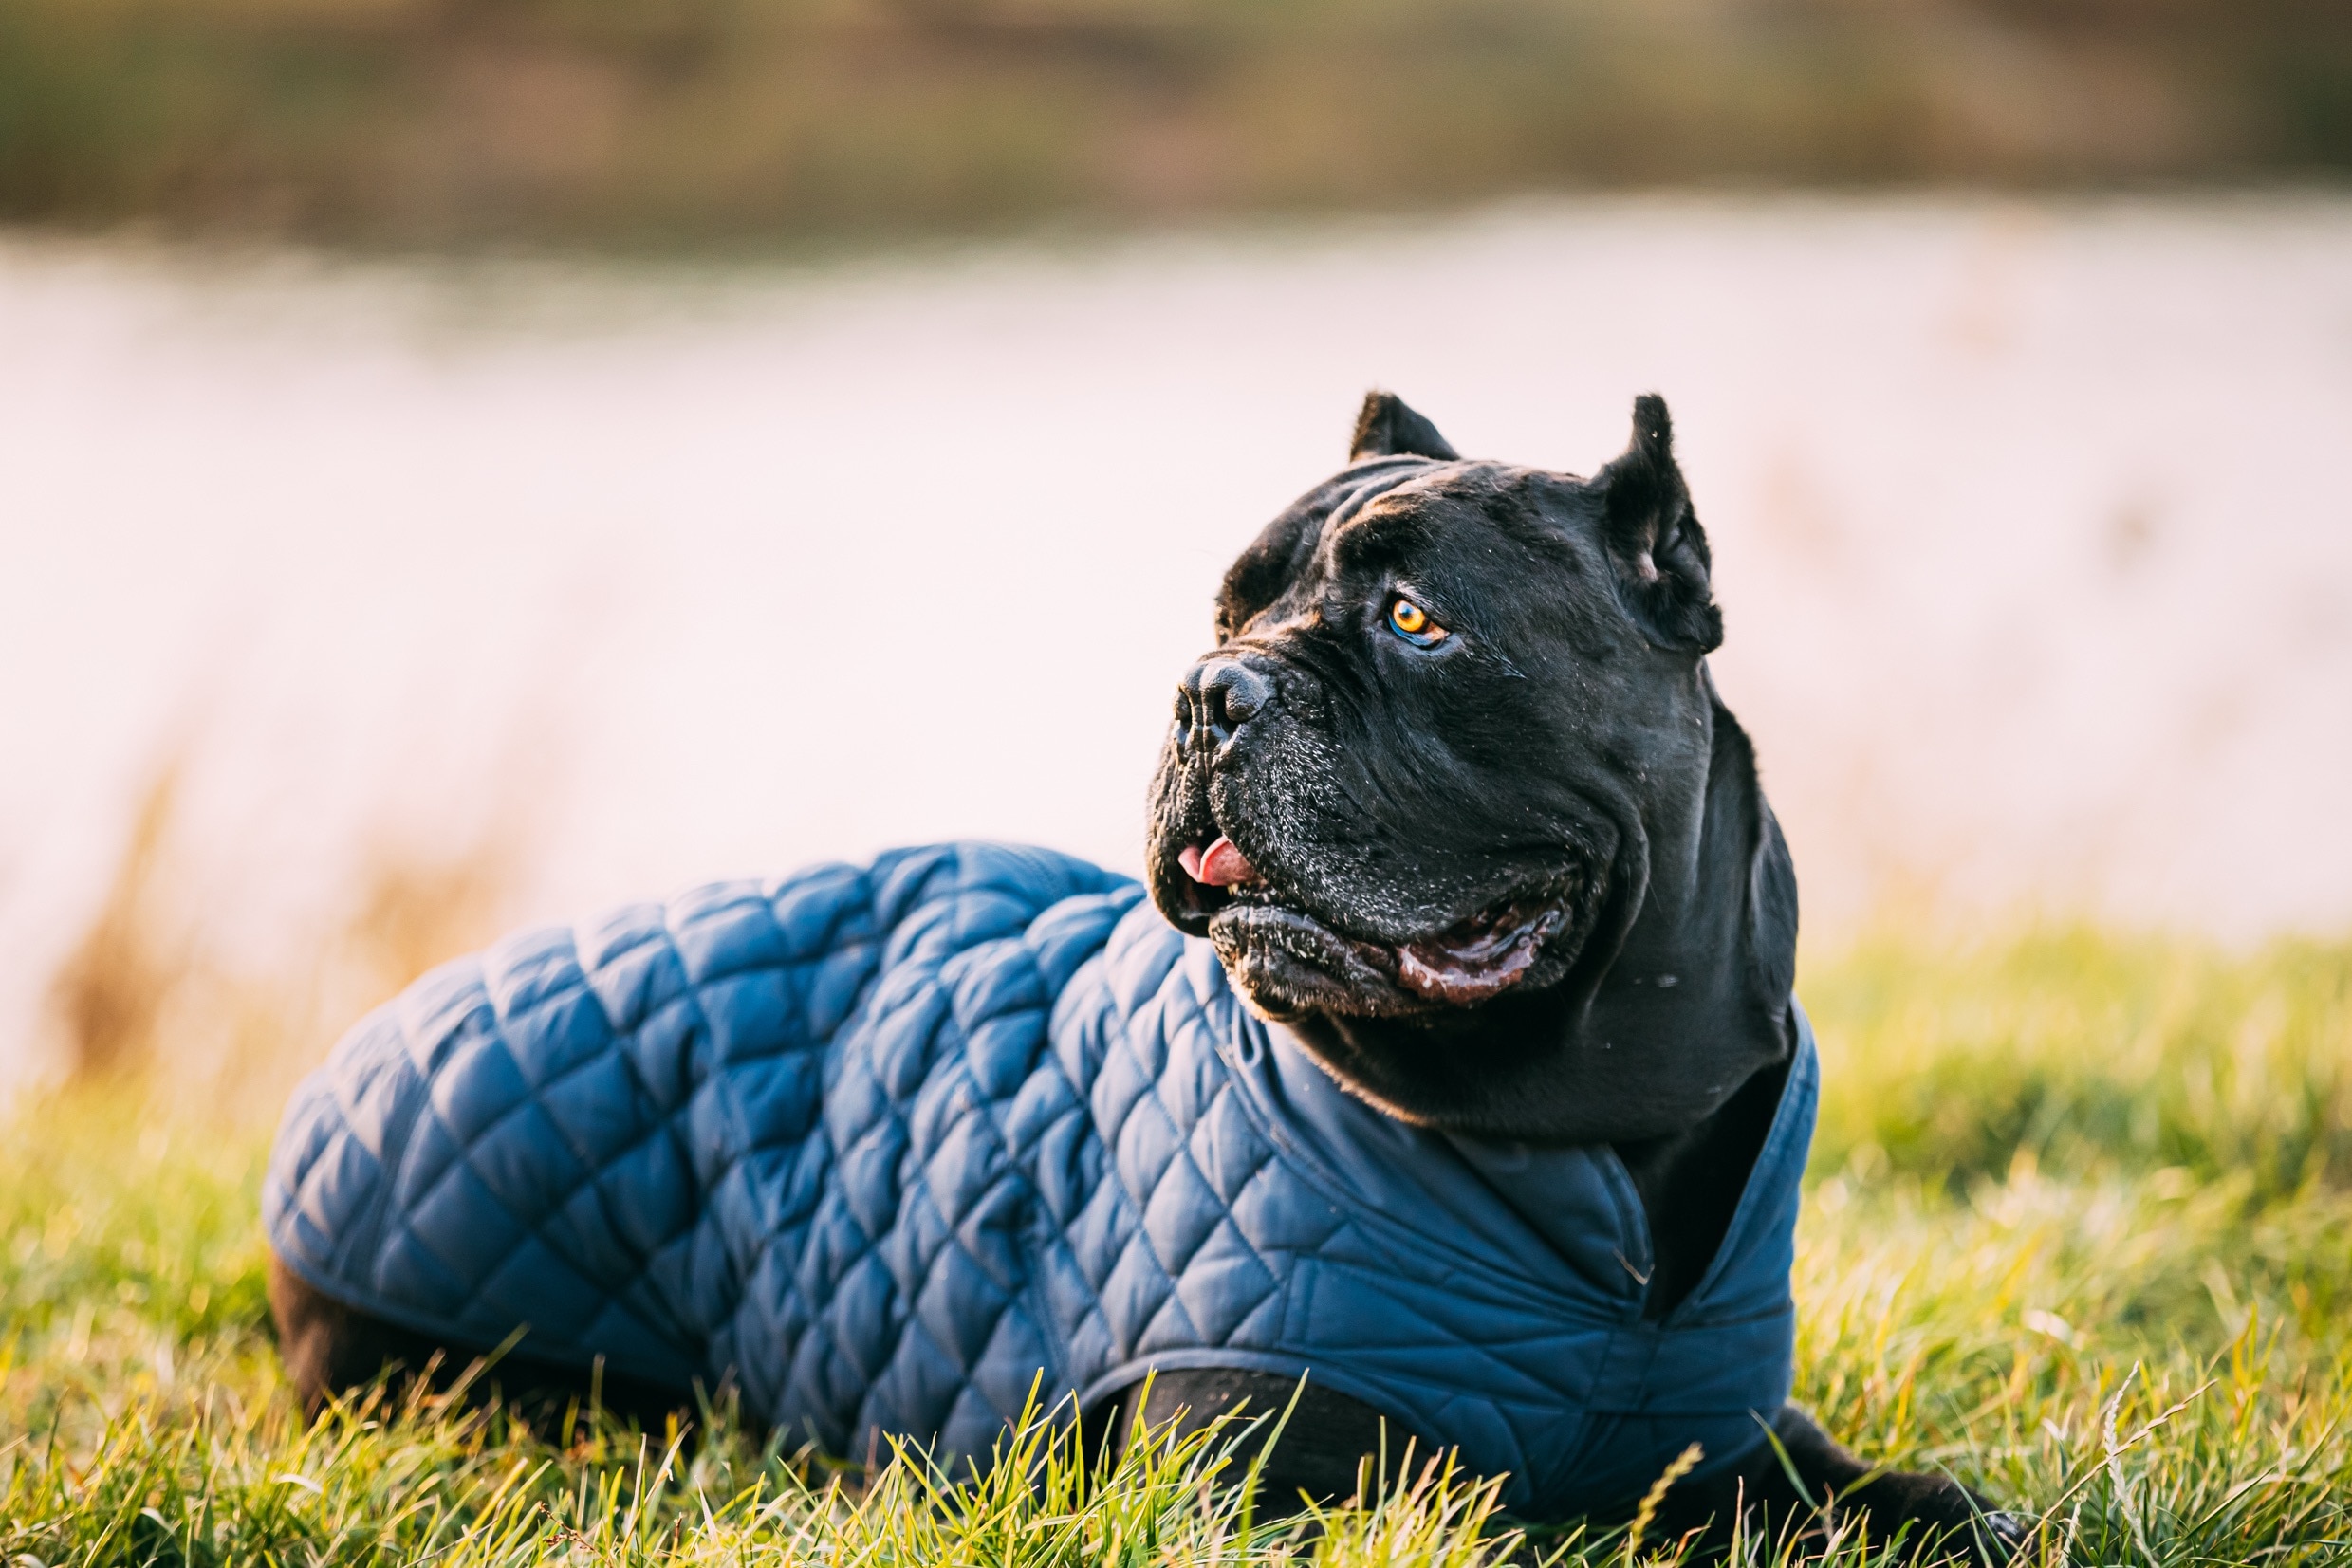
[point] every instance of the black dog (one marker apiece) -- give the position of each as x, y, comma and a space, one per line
1456, 801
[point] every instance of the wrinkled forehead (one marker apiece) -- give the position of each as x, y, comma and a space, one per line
1387, 512
1366, 498
1453, 500
1467, 510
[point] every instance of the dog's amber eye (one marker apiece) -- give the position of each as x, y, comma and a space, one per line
1410, 623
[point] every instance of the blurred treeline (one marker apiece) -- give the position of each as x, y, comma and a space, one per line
670, 122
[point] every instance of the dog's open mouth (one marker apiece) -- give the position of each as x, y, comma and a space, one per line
1468, 962
1478, 957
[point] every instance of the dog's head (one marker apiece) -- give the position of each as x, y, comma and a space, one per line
1453, 710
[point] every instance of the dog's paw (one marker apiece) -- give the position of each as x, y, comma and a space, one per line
2009, 1534
1988, 1537
1942, 1521
1994, 1539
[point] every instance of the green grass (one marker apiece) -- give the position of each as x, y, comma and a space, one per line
2080, 1232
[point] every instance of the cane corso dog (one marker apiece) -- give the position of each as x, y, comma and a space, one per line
1456, 801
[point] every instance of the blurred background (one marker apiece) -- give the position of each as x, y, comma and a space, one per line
666, 122
464, 464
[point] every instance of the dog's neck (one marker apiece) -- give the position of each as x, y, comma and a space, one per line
1700, 987
1680, 1000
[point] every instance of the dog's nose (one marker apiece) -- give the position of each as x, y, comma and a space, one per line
1218, 696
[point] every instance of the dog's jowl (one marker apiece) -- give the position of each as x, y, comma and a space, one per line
1450, 1065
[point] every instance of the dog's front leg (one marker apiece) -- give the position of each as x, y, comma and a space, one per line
1810, 1483
1324, 1444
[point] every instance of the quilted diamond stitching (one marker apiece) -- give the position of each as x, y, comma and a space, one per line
526, 1002
917, 1128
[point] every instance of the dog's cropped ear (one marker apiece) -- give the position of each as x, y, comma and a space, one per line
1655, 538
1385, 427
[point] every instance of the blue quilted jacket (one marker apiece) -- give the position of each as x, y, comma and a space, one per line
884, 1142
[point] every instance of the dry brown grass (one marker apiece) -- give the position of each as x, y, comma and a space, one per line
144, 997
110, 993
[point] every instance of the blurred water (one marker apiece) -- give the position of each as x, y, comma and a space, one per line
2033, 525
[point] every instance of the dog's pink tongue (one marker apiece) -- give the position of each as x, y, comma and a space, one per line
1220, 865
